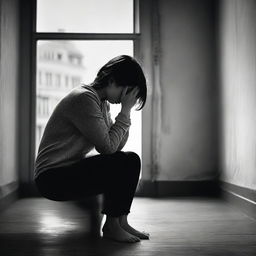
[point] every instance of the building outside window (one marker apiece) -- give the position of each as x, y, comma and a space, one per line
49, 93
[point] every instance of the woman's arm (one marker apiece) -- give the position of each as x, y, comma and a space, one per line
125, 138
85, 113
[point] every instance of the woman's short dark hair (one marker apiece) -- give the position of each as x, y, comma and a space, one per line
125, 71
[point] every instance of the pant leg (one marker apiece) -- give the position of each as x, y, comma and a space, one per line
115, 175
123, 182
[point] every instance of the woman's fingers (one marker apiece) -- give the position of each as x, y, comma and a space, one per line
129, 96
124, 92
135, 92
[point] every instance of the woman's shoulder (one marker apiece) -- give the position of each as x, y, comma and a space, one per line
81, 101
82, 94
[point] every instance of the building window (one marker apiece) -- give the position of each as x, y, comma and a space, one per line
39, 77
59, 56
75, 81
58, 80
48, 79
66, 81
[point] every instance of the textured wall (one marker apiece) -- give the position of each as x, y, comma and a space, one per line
238, 88
9, 39
188, 138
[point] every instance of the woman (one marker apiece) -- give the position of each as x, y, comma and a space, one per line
80, 122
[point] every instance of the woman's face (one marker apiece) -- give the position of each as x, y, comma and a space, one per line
114, 92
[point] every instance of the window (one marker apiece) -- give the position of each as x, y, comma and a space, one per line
48, 79
59, 56
39, 77
85, 16
66, 81
73, 44
58, 80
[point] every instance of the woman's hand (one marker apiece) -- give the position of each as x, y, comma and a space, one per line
128, 100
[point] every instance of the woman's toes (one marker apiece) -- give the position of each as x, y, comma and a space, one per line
120, 235
145, 233
136, 239
130, 239
142, 235
131, 230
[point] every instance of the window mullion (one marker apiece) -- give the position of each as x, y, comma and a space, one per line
84, 36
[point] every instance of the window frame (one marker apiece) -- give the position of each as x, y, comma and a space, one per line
50, 36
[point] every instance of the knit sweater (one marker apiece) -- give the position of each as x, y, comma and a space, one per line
79, 123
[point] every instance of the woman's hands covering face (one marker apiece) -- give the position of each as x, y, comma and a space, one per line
129, 97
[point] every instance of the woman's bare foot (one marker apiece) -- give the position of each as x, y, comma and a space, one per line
124, 224
113, 230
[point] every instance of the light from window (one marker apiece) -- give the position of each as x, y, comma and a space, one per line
93, 55
87, 16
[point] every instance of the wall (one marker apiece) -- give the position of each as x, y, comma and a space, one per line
237, 46
188, 135
9, 51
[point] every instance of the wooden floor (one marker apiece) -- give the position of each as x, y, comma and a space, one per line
178, 226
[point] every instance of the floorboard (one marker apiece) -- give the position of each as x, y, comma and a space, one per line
178, 226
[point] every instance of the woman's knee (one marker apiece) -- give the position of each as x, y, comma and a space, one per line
131, 160
133, 157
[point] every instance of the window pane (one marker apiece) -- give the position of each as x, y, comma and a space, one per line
87, 16
63, 65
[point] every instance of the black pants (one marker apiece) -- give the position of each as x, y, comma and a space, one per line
113, 175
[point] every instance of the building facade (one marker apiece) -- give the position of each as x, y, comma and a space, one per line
59, 69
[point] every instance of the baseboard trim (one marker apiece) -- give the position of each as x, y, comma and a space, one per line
149, 188
241, 198
8, 195
28, 190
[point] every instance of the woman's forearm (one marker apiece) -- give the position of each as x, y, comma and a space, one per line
126, 111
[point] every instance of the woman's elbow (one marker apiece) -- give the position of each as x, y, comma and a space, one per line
106, 150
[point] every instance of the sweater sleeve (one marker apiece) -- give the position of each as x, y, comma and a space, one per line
125, 138
86, 115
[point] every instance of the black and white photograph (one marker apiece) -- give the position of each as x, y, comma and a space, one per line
127, 127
